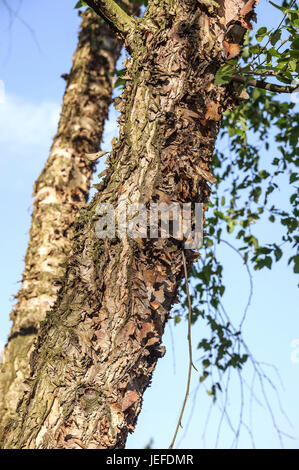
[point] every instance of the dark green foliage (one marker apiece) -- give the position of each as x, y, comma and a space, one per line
271, 52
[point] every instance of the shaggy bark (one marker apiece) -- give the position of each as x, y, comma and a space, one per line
100, 343
59, 192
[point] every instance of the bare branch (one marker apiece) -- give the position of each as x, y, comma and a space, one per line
264, 85
115, 16
179, 424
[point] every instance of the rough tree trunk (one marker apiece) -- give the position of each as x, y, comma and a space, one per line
100, 343
60, 191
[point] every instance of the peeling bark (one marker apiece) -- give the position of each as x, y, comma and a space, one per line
100, 343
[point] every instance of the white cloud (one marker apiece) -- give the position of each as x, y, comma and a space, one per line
26, 133
26, 124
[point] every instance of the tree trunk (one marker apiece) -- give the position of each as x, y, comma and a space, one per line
60, 191
99, 345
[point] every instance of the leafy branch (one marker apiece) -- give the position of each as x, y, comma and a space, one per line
277, 58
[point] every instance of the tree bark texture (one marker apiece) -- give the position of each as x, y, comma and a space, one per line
59, 192
100, 343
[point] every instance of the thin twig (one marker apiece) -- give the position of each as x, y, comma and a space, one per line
250, 281
269, 39
179, 424
13, 14
114, 15
172, 347
264, 85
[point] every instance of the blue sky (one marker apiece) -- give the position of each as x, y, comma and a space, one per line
31, 62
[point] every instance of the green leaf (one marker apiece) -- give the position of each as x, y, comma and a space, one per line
292, 65
275, 37
206, 363
261, 33
80, 4
295, 44
225, 73
294, 177
277, 253
231, 225
209, 242
204, 376
283, 9
268, 262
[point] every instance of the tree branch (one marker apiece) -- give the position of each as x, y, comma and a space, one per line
115, 16
264, 85
179, 424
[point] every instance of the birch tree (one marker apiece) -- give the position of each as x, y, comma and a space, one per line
59, 192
